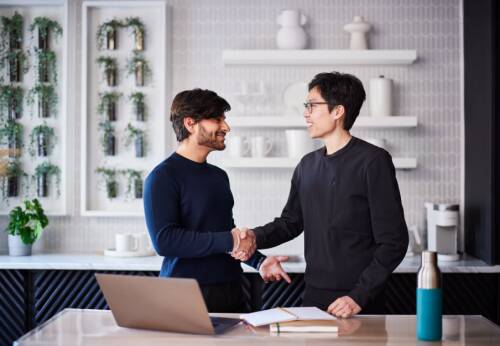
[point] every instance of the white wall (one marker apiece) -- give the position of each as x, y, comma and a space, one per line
429, 89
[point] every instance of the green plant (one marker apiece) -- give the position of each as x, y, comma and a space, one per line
13, 173
28, 223
11, 32
45, 25
137, 99
107, 103
109, 176
107, 138
11, 133
11, 101
42, 140
46, 97
137, 29
109, 67
18, 64
47, 170
46, 71
134, 178
105, 30
137, 65
138, 136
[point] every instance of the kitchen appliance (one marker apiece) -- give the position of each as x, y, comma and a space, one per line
442, 230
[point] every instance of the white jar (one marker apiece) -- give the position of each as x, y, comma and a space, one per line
380, 96
291, 35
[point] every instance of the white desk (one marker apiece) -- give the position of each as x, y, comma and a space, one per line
98, 327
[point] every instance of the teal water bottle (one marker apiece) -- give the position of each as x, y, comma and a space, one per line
429, 299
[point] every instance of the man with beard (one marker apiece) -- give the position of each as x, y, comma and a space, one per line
188, 207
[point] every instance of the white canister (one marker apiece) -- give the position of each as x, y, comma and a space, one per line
298, 143
381, 96
291, 35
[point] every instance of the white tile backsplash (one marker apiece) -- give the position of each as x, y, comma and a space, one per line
428, 89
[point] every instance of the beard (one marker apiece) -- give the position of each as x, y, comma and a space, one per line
211, 139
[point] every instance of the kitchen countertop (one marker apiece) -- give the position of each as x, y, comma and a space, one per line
98, 327
98, 261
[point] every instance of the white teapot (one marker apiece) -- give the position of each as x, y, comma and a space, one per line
291, 35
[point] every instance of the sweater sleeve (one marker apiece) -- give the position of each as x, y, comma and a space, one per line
286, 227
389, 229
169, 238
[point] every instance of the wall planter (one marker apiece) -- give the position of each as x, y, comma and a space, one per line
17, 65
46, 100
139, 105
109, 67
107, 34
134, 183
46, 70
44, 27
139, 68
108, 104
11, 133
11, 101
11, 31
42, 140
12, 181
111, 184
108, 139
43, 173
137, 29
138, 137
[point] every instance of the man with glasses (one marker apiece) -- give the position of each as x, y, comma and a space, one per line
346, 199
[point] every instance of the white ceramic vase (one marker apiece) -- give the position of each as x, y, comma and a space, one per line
380, 97
291, 35
17, 247
358, 29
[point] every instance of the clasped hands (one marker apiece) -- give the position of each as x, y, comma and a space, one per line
244, 246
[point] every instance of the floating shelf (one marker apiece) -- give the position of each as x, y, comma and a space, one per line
318, 57
285, 162
298, 121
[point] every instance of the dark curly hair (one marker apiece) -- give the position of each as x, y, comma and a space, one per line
197, 104
341, 89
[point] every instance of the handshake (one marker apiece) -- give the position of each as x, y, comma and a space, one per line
244, 243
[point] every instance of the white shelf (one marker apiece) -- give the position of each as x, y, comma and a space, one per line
285, 162
318, 57
298, 121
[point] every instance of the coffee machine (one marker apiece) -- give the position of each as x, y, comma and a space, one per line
442, 230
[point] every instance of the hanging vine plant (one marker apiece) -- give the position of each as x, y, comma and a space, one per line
17, 63
107, 105
11, 134
134, 183
108, 140
138, 137
138, 66
109, 176
42, 140
13, 178
109, 66
107, 34
43, 173
44, 27
46, 68
137, 29
11, 102
139, 105
11, 32
46, 100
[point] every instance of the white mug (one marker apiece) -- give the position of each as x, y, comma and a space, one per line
260, 146
126, 242
299, 143
143, 241
238, 146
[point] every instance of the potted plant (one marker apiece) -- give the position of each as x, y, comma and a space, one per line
107, 34
109, 176
109, 67
11, 101
46, 71
42, 140
108, 140
137, 29
11, 32
137, 99
46, 99
17, 63
11, 133
138, 136
43, 172
139, 67
14, 174
45, 26
134, 183
25, 227
107, 105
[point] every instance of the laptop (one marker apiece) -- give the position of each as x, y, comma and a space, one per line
165, 304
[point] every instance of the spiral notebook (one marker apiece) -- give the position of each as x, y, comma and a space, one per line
278, 315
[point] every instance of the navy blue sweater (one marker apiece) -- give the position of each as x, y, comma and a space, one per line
189, 215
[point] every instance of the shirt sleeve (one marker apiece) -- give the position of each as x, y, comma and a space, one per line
169, 238
286, 227
388, 226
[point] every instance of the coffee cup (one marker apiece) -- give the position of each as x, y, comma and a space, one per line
260, 146
238, 146
126, 242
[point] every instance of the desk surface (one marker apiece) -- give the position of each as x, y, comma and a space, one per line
98, 327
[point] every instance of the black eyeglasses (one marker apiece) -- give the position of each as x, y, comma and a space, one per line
310, 105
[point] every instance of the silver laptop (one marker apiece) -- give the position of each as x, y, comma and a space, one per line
166, 304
